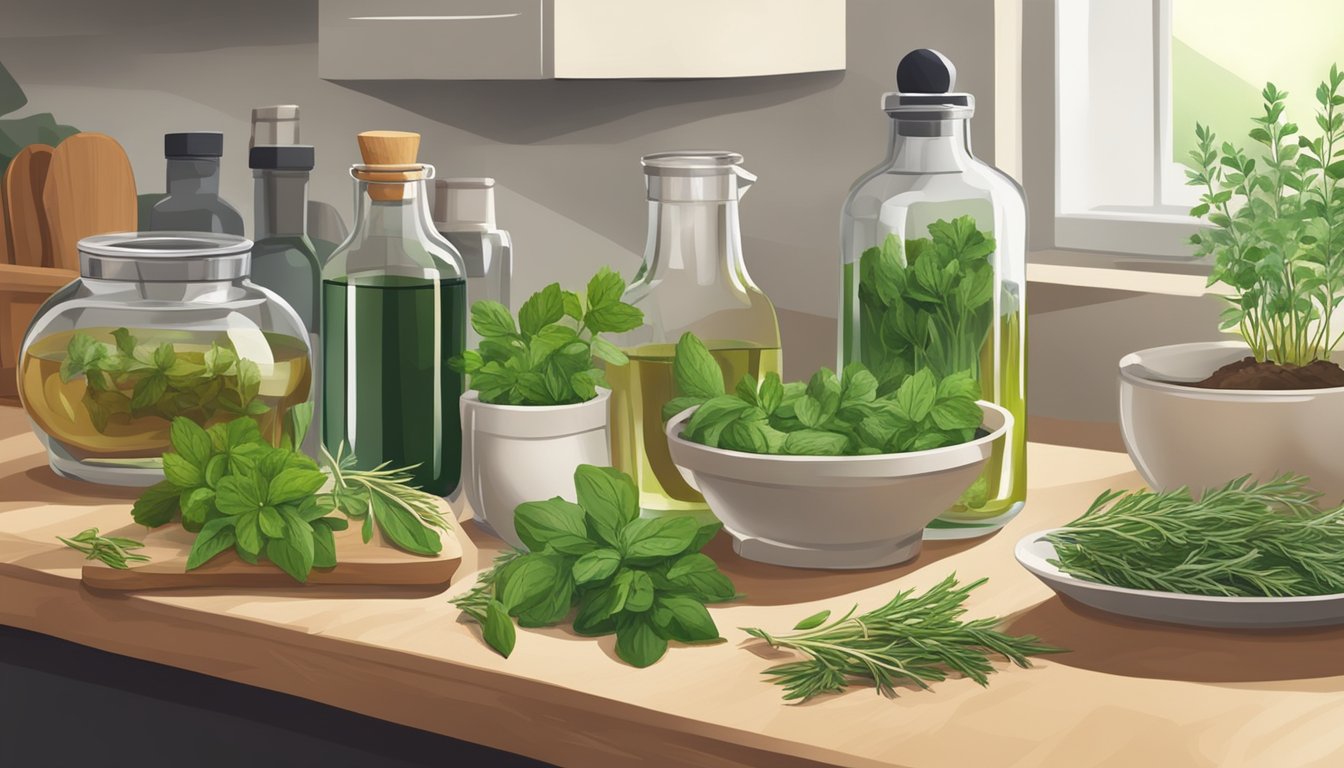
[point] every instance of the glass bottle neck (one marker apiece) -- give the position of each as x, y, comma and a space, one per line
193, 176
929, 146
701, 240
280, 203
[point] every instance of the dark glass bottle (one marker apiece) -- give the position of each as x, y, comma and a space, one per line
193, 203
394, 307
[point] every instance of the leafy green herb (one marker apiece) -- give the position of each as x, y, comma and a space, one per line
642, 579
236, 491
1244, 539
128, 380
547, 357
1278, 227
827, 416
112, 550
910, 640
926, 303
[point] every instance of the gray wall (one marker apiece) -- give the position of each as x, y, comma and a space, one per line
565, 153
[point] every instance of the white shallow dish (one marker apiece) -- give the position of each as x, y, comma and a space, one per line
1034, 553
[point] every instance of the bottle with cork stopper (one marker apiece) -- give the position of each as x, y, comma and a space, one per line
394, 310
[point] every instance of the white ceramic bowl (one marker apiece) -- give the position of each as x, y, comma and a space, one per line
832, 511
1181, 435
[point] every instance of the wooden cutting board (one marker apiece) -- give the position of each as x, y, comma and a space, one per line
24, 180
90, 190
376, 564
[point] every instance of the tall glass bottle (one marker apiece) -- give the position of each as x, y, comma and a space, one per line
193, 203
393, 314
693, 279
933, 259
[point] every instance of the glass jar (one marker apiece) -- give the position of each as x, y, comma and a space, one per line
394, 308
693, 279
933, 261
158, 325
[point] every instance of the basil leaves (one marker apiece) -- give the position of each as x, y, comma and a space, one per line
827, 416
547, 357
643, 579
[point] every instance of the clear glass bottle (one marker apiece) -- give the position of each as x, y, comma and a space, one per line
464, 213
932, 201
158, 325
394, 309
193, 203
693, 279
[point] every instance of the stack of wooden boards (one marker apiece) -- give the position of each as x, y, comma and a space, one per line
50, 198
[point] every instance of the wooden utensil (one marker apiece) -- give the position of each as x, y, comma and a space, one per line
376, 564
5, 256
90, 190
28, 231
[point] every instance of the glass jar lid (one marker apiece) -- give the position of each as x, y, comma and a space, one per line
695, 176
165, 257
925, 80
691, 163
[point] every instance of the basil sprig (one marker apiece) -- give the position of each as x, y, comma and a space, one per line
643, 579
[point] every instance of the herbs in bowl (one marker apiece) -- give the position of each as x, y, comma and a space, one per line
538, 397
827, 474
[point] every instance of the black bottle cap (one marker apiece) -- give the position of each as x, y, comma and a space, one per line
195, 144
925, 70
287, 157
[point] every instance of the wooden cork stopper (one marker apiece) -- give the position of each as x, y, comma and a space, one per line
390, 158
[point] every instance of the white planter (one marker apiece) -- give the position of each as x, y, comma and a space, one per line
517, 453
832, 511
1181, 435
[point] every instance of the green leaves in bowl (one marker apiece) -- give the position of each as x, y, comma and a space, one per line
643, 579
547, 357
828, 416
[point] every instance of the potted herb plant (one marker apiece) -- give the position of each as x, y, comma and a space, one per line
1198, 414
537, 408
828, 474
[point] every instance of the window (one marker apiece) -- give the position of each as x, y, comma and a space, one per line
1133, 76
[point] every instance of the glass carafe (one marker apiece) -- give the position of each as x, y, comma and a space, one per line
393, 314
933, 259
693, 279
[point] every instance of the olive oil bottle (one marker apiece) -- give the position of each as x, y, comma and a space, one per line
393, 314
693, 279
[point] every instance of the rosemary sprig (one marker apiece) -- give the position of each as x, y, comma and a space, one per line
391, 485
912, 639
112, 550
1244, 539
475, 601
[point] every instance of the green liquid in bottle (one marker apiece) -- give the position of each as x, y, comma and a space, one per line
388, 391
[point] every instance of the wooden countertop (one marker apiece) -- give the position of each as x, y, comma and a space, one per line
1129, 694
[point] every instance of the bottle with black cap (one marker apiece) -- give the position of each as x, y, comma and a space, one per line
933, 267
193, 203
283, 257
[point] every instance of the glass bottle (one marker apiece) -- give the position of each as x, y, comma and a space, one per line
693, 279
394, 304
193, 203
932, 199
464, 213
283, 258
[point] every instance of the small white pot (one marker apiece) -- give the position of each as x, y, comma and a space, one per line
832, 511
1181, 435
517, 453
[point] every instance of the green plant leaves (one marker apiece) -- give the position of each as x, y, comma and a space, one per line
813, 621
554, 522
549, 358
498, 628
695, 370
597, 565
658, 537
608, 497
683, 618
403, 527
638, 642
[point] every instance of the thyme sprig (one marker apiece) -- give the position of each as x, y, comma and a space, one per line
1245, 539
913, 639
115, 551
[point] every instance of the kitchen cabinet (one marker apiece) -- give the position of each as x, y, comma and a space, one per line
577, 39
1127, 693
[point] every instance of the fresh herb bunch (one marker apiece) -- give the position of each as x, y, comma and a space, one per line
828, 416
236, 491
114, 551
162, 381
643, 579
1277, 238
1245, 539
547, 358
480, 604
927, 303
910, 640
